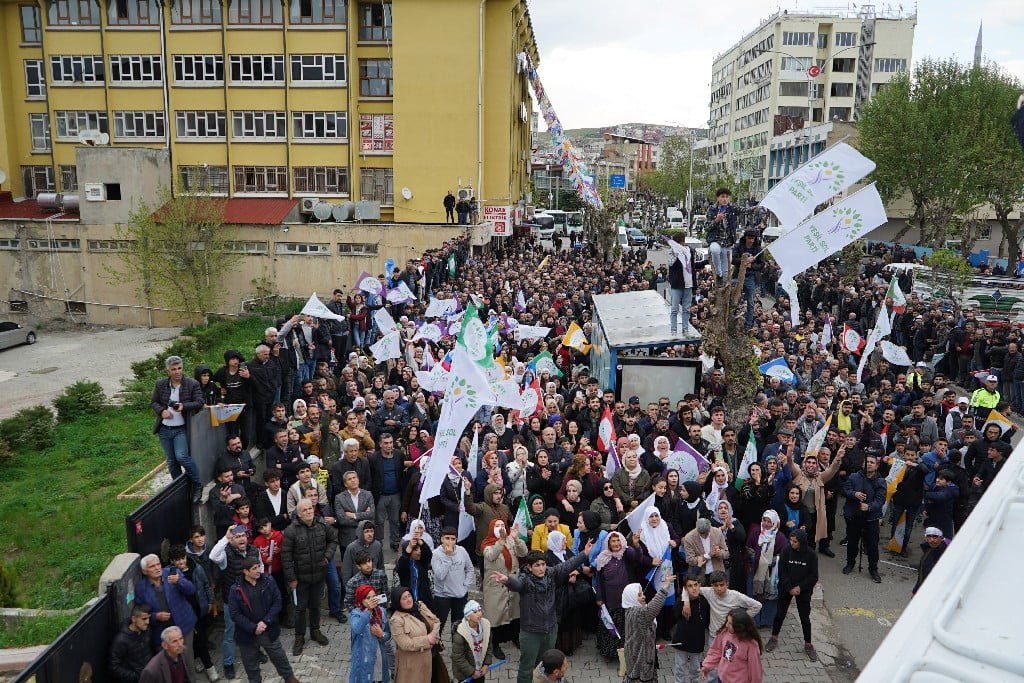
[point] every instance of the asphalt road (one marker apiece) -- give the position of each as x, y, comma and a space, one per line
30, 375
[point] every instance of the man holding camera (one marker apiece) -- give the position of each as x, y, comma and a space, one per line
175, 399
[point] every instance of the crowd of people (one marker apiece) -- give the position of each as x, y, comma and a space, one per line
613, 546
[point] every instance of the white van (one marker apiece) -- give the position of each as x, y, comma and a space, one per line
677, 220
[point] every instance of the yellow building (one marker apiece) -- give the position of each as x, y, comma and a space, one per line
396, 102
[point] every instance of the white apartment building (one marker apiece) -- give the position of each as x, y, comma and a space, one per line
797, 68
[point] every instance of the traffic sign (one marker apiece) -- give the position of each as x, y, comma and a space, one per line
814, 71
617, 180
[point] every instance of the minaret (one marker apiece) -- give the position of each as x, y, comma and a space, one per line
977, 49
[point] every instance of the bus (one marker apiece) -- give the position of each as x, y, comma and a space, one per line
574, 222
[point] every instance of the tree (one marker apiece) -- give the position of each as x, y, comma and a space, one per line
951, 273
600, 226
727, 340
176, 254
920, 132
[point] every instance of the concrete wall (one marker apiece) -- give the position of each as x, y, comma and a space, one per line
138, 174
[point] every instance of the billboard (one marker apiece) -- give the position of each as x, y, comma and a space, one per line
500, 220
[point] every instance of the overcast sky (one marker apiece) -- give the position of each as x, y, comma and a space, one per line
608, 61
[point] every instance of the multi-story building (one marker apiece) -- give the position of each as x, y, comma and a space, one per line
394, 101
799, 68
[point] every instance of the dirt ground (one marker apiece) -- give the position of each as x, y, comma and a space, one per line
30, 375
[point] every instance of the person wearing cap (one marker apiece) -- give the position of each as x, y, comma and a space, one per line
934, 545
987, 397
228, 554
372, 658
255, 604
749, 249
233, 380
471, 644
954, 417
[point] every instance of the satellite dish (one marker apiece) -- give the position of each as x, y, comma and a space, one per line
89, 137
344, 212
406, 193
322, 211
3, 176
104, 139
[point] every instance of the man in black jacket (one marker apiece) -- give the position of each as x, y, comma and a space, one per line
339, 329
309, 544
175, 400
749, 247
865, 496
240, 462
934, 545
255, 605
130, 650
264, 380
798, 574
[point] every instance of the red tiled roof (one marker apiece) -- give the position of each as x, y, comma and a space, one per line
256, 211
29, 209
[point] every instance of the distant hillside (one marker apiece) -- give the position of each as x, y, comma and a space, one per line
651, 132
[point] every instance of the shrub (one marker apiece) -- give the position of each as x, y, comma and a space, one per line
8, 587
5, 451
81, 398
29, 427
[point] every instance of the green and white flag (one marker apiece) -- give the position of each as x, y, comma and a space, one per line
522, 518
749, 457
451, 265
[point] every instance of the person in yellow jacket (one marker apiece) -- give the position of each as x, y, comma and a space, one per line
539, 539
987, 397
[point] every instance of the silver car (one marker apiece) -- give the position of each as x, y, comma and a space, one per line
13, 334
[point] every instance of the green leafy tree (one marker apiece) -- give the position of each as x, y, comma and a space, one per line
176, 256
600, 226
921, 133
951, 273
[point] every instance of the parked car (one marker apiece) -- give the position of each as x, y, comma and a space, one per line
637, 238
13, 334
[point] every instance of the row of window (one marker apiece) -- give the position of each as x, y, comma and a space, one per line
806, 38
234, 246
374, 17
753, 97
753, 119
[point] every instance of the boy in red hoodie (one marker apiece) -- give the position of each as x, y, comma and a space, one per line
268, 541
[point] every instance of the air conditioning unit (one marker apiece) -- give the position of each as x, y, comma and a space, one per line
465, 193
307, 204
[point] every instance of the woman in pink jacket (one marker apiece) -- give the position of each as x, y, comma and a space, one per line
736, 651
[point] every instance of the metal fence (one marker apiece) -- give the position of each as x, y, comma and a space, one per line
80, 653
162, 520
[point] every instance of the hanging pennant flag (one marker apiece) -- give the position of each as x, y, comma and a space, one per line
881, 329
473, 455
317, 309
428, 358
575, 339
387, 347
778, 368
606, 619
605, 431
788, 284
749, 456
467, 522
826, 333
851, 340
451, 265
520, 301
368, 283
827, 232
892, 481
896, 296
522, 519
817, 181
222, 413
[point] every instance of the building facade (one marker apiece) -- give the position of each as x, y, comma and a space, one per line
393, 102
798, 69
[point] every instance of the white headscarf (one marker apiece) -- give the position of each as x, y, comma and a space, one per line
635, 472
654, 538
717, 492
418, 524
631, 595
556, 544
768, 537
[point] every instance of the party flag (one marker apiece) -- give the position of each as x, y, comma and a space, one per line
574, 338
522, 519
997, 418
899, 300
749, 456
223, 413
605, 431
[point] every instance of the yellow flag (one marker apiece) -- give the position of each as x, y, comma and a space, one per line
543, 264
574, 338
997, 418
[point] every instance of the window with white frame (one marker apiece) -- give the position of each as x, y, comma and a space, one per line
822, 41
132, 69
261, 178
37, 179
318, 11
318, 248
31, 26
72, 13
246, 246
357, 249
10, 244
259, 125
133, 13
205, 179
196, 12
378, 184
890, 65
798, 38
108, 245
68, 69
846, 39
321, 179
198, 69
68, 178
200, 125
55, 245
375, 21
255, 12
318, 69
39, 131
796, 63
320, 125
257, 68
35, 79
134, 125
71, 123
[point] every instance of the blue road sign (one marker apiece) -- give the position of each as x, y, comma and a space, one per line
617, 180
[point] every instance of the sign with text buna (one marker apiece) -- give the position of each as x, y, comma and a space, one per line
500, 220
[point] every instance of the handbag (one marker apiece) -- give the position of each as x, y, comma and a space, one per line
438, 669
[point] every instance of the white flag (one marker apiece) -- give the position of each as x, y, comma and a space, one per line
897, 355
817, 181
439, 307
317, 309
824, 234
826, 333
880, 330
636, 517
789, 285
385, 323
428, 331
435, 380
387, 347
507, 394
467, 391
370, 285
474, 452
400, 294
526, 332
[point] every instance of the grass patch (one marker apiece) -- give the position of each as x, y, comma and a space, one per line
59, 511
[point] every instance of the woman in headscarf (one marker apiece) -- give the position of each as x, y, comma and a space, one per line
298, 413
569, 634
616, 566
717, 487
735, 540
662, 501
413, 564
416, 631
572, 504
501, 549
418, 531
755, 496
656, 543
607, 506
767, 543
471, 644
792, 512
640, 651
537, 511
692, 508
371, 631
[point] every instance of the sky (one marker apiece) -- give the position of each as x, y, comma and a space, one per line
607, 61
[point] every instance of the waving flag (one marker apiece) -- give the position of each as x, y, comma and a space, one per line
635, 519
439, 307
520, 301
881, 329
899, 301
522, 519
605, 431
826, 333
686, 460
778, 368
369, 283
400, 294
543, 362
749, 456
317, 309
575, 339
606, 619
656, 574
816, 441
387, 347
222, 413
788, 285
611, 463
996, 418
851, 340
